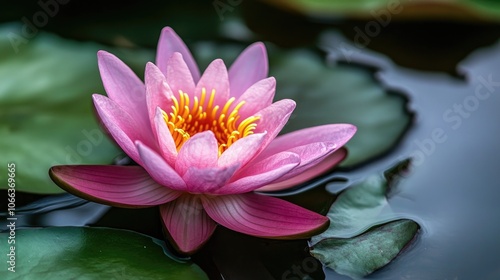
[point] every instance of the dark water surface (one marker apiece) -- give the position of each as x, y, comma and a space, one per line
453, 189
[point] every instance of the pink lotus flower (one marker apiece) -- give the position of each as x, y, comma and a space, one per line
203, 145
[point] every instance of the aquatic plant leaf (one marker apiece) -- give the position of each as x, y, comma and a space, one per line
361, 255
46, 109
364, 233
358, 208
92, 253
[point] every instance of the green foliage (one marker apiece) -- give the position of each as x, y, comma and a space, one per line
46, 107
361, 255
92, 253
363, 236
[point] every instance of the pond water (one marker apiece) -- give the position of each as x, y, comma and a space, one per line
453, 188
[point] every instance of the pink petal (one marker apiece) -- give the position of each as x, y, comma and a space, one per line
273, 118
157, 168
258, 174
158, 92
124, 129
187, 223
208, 180
170, 43
200, 151
328, 163
311, 144
251, 66
264, 216
310, 155
123, 186
242, 151
214, 78
257, 97
179, 76
123, 87
337, 134
166, 143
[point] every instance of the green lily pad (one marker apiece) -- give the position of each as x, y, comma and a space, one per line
357, 209
364, 204
46, 109
363, 235
91, 253
324, 95
359, 256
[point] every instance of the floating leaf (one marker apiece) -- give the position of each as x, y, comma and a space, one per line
357, 209
46, 109
92, 253
359, 256
364, 204
356, 244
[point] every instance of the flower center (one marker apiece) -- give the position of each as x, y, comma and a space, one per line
186, 119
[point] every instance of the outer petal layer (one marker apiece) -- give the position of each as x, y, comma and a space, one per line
310, 155
311, 144
123, 186
251, 66
328, 163
264, 216
273, 118
242, 150
161, 172
158, 92
257, 97
170, 43
124, 129
337, 134
208, 180
123, 87
164, 137
187, 223
261, 173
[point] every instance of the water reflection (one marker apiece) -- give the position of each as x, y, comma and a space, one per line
56, 210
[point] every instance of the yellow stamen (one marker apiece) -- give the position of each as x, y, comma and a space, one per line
184, 120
